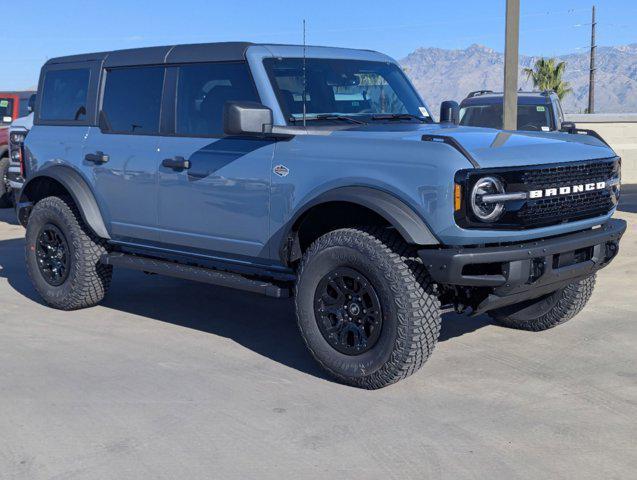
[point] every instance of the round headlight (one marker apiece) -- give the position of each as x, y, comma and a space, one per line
487, 211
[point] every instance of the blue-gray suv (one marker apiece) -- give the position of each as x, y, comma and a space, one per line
316, 173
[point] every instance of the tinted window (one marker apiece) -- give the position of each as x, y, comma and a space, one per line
350, 87
530, 117
24, 107
132, 99
203, 90
64, 95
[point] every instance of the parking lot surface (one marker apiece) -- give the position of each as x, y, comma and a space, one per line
170, 379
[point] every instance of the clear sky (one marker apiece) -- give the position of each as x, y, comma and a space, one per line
43, 29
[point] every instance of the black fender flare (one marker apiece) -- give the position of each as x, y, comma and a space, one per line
400, 215
77, 188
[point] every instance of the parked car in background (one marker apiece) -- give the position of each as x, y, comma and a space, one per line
13, 105
5, 188
537, 111
311, 172
17, 133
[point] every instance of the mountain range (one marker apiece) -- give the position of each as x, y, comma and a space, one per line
441, 74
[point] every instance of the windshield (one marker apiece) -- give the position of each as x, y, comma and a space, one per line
350, 88
6, 110
530, 117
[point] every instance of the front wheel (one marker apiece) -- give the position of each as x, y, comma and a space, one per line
364, 307
547, 311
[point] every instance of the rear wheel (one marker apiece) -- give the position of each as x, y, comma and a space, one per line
548, 311
364, 307
63, 256
6, 196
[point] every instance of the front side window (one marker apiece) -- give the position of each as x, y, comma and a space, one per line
6, 110
530, 117
64, 95
203, 90
132, 99
360, 89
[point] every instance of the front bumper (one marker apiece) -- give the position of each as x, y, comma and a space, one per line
520, 271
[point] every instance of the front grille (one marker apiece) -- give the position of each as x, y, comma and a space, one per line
571, 207
575, 206
569, 174
547, 210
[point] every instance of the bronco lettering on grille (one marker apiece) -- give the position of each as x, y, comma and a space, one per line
566, 190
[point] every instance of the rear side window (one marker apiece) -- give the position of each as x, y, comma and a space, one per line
132, 99
64, 95
202, 91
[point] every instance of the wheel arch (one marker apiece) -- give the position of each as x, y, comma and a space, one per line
59, 180
372, 203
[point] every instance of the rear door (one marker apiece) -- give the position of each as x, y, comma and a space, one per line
217, 198
65, 107
123, 151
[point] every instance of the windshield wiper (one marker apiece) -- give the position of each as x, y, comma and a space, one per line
328, 116
398, 116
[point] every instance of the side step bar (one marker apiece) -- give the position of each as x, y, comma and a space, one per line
197, 274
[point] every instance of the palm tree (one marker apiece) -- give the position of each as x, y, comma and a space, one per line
547, 75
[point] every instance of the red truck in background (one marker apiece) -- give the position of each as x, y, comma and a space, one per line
12, 105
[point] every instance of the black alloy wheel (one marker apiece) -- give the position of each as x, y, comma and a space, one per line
52, 253
348, 311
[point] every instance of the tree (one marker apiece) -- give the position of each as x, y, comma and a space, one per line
547, 75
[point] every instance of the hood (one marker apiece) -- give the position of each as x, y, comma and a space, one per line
496, 148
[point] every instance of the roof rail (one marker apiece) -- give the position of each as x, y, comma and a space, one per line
477, 93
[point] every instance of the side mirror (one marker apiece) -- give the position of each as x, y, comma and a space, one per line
568, 126
246, 118
449, 112
31, 103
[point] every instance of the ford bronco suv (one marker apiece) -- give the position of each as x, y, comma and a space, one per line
537, 111
316, 173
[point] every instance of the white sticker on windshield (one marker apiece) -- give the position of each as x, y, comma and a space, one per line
540, 108
545, 128
6, 119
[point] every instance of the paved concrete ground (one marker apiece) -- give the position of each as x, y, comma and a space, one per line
175, 380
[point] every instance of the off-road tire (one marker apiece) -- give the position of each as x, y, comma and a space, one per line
549, 311
411, 313
6, 195
88, 280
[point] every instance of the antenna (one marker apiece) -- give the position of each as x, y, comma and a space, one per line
304, 76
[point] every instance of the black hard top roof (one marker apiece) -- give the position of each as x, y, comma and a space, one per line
485, 97
200, 52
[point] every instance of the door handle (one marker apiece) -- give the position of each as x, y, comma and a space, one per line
97, 158
176, 163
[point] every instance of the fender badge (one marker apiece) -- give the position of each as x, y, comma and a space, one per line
281, 170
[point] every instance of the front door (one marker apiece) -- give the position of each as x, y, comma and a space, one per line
214, 191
